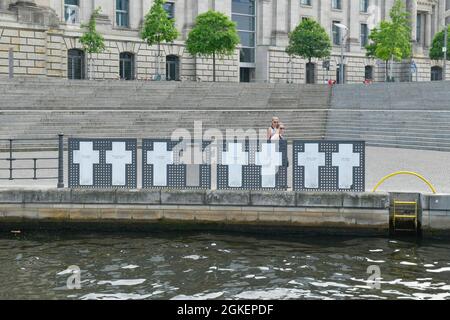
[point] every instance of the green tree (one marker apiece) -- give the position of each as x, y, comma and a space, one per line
436, 52
309, 40
158, 28
91, 40
390, 41
213, 34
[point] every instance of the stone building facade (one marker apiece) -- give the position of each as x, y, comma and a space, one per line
43, 38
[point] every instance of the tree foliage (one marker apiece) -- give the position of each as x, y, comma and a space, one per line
309, 40
391, 39
213, 34
436, 52
158, 27
91, 40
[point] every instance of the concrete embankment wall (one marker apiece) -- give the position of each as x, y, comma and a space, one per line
359, 212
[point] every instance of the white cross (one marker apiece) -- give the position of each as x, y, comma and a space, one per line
311, 159
160, 157
235, 158
345, 159
119, 157
86, 157
270, 159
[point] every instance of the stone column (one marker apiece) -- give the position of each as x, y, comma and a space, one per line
202, 7
412, 9
353, 25
294, 9
223, 6
428, 30
280, 20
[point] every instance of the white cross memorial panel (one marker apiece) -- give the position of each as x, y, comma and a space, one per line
102, 163
175, 164
252, 165
329, 165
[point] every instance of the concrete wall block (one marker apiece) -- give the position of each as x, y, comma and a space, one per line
366, 200
91, 196
438, 202
320, 199
142, 196
11, 196
186, 197
272, 198
228, 197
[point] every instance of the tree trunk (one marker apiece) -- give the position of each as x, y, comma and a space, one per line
386, 71
214, 67
391, 63
158, 70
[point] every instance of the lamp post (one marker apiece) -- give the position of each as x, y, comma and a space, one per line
341, 67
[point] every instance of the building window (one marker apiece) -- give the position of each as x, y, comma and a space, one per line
368, 72
364, 35
436, 73
75, 64
170, 9
363, 5
72, 11
243, 13
126, 66
305, 2
122, 13
336, 4
172, 68
419, 28
336, 31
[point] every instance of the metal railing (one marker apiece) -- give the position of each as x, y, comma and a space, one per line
34, 167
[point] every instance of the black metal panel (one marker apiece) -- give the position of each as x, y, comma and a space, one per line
328, 174
102, 172
251, 178
177, 171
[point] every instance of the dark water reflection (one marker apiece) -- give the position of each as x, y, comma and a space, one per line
202, 265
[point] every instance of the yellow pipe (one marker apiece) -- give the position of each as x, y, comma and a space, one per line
408, 173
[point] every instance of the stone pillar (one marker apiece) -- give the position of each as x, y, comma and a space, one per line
223, 6
280, 20
412, 9
428, 39
202, 7
294, 9
353, 25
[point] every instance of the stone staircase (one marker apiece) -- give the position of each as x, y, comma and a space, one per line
33, 108
406, 115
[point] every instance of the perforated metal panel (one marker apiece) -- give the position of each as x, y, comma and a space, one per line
330, 165
251, 176
177, 171
102, 163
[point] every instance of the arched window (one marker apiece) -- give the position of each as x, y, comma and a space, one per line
368, 73
310, 72
126, 66
436, 73
75, 64
172, 68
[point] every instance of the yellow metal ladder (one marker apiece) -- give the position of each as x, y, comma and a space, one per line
405, 210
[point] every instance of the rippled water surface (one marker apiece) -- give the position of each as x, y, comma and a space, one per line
212, 266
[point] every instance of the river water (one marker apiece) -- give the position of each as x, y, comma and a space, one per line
174, 265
